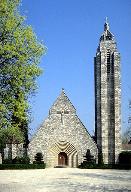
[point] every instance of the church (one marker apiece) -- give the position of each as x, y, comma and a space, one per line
63, 139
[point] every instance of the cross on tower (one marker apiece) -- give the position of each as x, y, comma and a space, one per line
62, 112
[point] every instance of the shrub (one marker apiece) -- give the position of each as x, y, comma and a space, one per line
38, 159
22, 166
89, 158
21, 160
7, 161
100, 158
89, 161
97, 166
125, 159
103, 166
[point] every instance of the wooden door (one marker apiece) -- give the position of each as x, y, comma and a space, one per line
62, 158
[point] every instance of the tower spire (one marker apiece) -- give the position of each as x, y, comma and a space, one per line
106, 19
106, 25
63, 90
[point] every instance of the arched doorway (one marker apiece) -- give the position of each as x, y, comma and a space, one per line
62, 158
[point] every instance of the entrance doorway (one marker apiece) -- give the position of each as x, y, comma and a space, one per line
62, 158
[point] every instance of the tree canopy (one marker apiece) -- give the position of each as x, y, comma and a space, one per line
20, 53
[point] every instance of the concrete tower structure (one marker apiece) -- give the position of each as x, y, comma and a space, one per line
107, 97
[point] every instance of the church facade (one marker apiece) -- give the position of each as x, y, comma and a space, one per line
62, 138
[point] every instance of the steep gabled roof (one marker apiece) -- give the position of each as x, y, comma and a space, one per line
62, 103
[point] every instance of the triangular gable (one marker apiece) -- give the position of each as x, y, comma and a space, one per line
62, 104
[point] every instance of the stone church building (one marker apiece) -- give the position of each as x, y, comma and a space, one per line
63, 139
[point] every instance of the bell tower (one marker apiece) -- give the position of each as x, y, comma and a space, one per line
107, 97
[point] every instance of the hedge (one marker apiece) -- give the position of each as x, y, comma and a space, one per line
95, 166
17, 160
105, 166
125, 158
22, 166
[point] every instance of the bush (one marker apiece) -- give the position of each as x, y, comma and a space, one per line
125, 159
22, 166
104, 166
100, 158
7, 161
38, 162
21, 160
38, 159
89, 159
97, 166
17, 160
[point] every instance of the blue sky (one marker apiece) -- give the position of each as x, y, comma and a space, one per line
70, 29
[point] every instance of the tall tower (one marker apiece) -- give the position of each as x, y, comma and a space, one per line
107, 97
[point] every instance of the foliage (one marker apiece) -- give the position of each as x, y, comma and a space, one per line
22, 166
21, 160
38, 158
7, 161
100, 158
89, 160
104, 166
126, 137
125, 158
96, 166
20, 52
17, 160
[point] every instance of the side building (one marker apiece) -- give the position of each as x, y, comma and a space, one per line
107, 97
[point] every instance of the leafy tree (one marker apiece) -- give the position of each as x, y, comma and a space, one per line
20, 52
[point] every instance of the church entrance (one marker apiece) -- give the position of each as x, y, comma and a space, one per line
62, 158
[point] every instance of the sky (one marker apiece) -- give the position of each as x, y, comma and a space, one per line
70, 29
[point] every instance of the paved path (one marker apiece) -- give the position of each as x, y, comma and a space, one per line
65, 180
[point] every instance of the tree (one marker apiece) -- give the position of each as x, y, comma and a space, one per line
89, 159
125, 159
126, 137
38, 158
100, 158
20, 52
